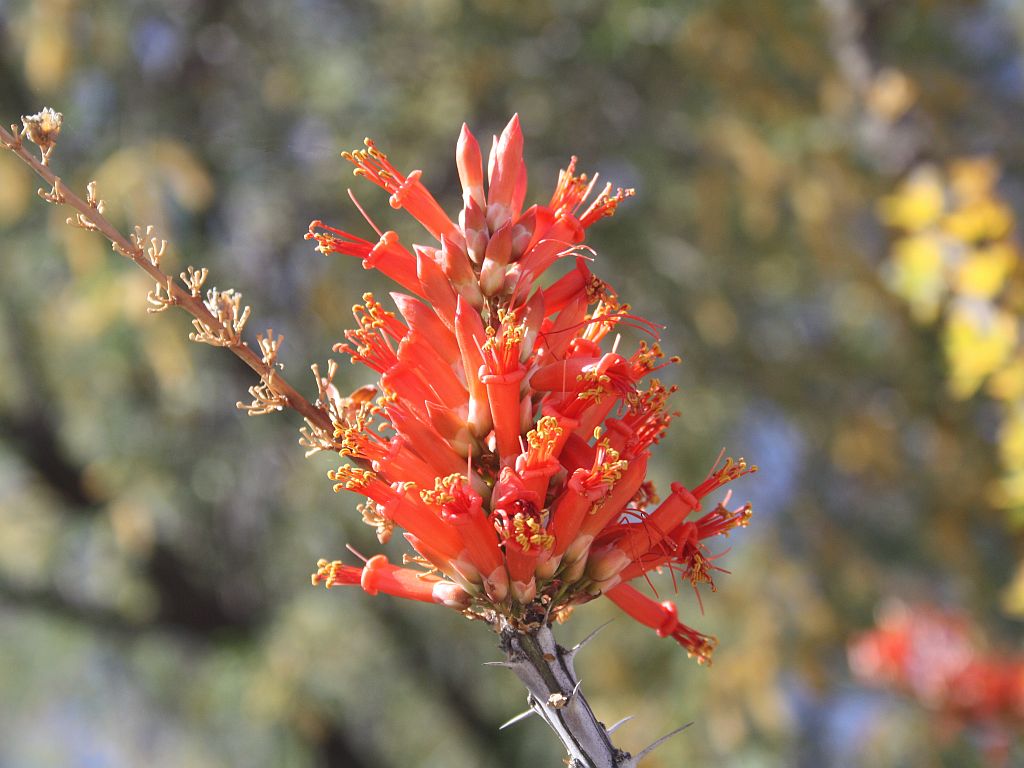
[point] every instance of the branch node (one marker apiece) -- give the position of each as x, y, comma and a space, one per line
194, 279
42, 129
269, 345
264, 399
92, 198
161, 297
55, 195
229, 319
146, 242
15, 143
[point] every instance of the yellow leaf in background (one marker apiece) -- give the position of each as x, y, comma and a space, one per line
1012, 598
982, 220
48, 45
891, 94
974, 178
983, 273
1008, 384
139, 180
917, 204
916, 273
979, 340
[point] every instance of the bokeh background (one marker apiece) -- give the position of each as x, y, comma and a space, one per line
797, 165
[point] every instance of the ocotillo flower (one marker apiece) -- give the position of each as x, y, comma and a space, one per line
936, 657
506, 441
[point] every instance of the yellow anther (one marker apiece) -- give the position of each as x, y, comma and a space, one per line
443, 491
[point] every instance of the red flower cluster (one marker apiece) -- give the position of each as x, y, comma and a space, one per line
935, 657
506, 442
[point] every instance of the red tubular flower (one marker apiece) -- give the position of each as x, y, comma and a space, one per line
509, 441
936, 657
387, 255
378, 575
538, 464
663, 618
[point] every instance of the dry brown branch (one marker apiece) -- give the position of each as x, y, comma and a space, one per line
219, 319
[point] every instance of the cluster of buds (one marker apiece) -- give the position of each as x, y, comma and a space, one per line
505, 441
935, 657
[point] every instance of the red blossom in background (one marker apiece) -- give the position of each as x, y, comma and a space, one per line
504, 439
937, 658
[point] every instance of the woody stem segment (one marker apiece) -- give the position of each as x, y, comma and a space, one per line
546, 669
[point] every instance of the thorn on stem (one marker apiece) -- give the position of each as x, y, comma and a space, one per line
621, 722
516, 719
659, 742
572, 651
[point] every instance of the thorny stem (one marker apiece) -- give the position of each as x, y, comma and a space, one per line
194, 305
555, 694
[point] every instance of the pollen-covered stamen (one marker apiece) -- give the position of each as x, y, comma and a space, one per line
523, 533
585, 489
633, 542
604, 204
539, 463
406, 192
349, 478
683, 549
387, 255
526, 529
624, 492
646, 419
373, 517
663, 618
373, 340
580, 281
572, 191
334, 572
502, 347
360, 443
721, 520
647, 359
502, 374
730, 470
400, 503
592, 386
543, 442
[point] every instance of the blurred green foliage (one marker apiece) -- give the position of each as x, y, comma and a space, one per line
155, 545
